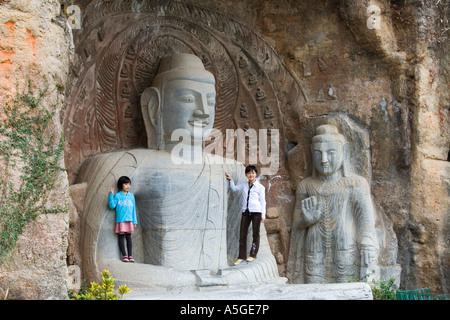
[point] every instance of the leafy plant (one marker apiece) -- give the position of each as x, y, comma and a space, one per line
29, 150
383, 290
73, 293
105, 291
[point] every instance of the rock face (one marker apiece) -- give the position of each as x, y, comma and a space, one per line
34, 47
279, 65
282, 65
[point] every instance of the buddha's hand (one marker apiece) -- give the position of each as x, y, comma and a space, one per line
311, 209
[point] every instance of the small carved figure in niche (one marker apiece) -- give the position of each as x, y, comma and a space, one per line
131, 52
260, 94
125, 91
242, 62
124, 71
320, 97
252, 79
128, 114
244, 110
334, 220
131, 133
268, 113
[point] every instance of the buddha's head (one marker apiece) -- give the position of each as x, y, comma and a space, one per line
329, 151
182, 96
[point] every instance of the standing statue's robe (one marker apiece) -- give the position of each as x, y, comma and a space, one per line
329, 250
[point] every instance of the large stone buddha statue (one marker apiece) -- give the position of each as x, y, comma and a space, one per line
187, 221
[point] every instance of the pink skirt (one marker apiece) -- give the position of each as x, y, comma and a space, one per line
125, 227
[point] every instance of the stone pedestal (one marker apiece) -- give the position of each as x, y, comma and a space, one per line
267, 291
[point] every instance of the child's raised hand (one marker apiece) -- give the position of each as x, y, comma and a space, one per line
228, 176
112, 190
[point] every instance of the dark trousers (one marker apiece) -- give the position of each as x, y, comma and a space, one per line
122, 238
247, 218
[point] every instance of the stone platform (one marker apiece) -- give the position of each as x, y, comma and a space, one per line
278, 290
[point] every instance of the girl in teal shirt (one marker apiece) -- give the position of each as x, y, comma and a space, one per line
125, 205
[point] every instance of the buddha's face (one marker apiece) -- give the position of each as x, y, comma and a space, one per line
188, 105
327, 157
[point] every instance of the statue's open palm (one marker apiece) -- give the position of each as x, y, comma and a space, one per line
311, 210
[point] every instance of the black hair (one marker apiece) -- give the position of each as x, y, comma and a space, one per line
250, 168
122, 180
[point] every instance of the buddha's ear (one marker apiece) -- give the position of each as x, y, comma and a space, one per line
346, 160
151, 111
150, 105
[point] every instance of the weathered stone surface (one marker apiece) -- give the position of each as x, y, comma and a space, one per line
33, 46
429, 222
37, 269
393, 81
430, 228
76, 207
325, 61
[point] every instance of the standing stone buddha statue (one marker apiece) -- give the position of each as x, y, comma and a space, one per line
333, 233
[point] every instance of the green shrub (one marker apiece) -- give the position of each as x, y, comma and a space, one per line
383, 290
105, 291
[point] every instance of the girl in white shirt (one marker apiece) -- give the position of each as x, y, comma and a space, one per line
253, 211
